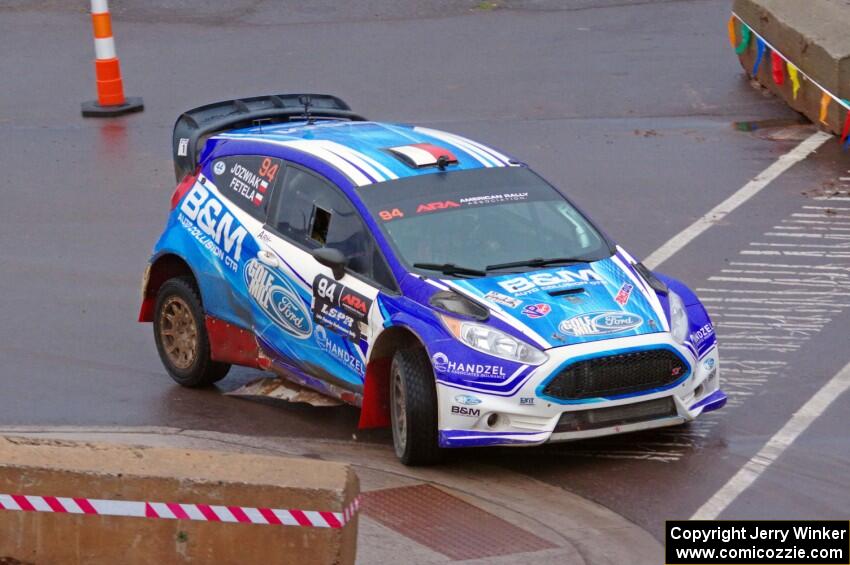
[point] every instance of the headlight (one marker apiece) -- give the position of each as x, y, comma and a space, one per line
493, 342
450, 301
678, 318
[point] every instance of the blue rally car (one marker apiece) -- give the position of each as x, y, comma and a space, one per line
443, 287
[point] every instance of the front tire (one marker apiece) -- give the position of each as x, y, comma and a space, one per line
413, 402
181, 335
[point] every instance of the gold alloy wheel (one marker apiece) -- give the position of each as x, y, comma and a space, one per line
178, 332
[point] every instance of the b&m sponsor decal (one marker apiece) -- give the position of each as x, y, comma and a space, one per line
339, 308
526, 284
600, 323
206, 219
466, 411
275, 295
338, 352
443, 364
536, 310
622, 297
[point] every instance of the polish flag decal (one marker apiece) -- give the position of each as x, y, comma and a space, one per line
421, 155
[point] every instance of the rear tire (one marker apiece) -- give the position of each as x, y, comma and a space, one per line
181, 335
413, 402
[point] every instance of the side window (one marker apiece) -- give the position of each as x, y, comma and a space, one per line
313, 213
247, 181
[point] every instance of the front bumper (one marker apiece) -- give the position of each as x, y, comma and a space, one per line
470, 417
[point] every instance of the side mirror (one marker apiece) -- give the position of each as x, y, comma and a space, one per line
332, 258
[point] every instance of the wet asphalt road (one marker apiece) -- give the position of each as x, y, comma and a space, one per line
629, 106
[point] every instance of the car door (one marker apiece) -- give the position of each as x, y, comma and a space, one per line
320, 324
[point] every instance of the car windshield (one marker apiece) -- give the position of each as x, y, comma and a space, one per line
468, 223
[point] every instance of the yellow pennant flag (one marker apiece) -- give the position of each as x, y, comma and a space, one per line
732, 39
795, 78
825, 99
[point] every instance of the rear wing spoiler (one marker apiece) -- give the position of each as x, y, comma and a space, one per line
193, 127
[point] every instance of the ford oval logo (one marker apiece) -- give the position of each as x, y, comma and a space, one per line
600, 323
275, 295
467, 400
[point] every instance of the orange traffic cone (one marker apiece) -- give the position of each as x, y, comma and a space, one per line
110, 89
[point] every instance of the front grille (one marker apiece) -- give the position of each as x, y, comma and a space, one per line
617, 415
615, 375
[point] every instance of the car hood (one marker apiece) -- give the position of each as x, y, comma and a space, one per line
574, 304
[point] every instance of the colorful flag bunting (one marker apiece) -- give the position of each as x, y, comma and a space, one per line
795, 78
732, 39
845, 134
777, 64
825, 99
745, 39
760, 47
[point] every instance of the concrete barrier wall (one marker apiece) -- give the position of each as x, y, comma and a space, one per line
814, 35
42, 468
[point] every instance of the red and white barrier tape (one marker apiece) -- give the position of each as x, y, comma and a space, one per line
176, 511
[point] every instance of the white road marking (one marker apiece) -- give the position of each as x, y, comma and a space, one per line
716, 214
776, 446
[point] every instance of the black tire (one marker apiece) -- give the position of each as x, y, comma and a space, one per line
412, 386
192, 366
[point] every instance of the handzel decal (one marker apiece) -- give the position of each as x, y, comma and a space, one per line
338, 352
278, 299
338, 307
702, 335
476, 370
203, 212
519, 286
600, 323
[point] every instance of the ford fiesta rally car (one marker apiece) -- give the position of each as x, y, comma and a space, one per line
443, 287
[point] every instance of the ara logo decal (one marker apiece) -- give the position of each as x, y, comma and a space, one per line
600, 323
549, 281
536, 310
278, 299
354, 302
467, 400
624, 294
434, 206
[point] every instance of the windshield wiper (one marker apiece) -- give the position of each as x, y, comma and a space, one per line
450, 269
537, 262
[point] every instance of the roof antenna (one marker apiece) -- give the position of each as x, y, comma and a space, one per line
442, 162
307, 101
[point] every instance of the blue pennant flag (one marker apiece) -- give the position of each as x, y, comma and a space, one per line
760, 45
